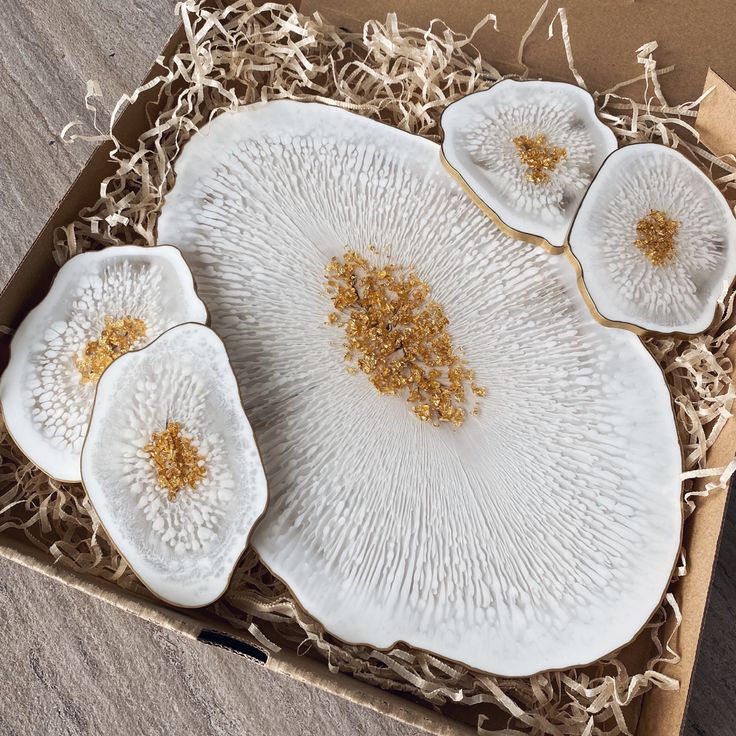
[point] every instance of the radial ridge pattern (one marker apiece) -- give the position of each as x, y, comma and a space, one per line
183, 548
541, 534
656, 241
101, 305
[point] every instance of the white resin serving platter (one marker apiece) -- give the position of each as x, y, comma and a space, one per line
542, 533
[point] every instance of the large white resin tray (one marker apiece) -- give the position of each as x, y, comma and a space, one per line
543, 532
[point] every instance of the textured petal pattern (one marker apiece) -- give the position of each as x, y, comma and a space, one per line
184, 549
479, 133
680, 295
540, 534
46, 405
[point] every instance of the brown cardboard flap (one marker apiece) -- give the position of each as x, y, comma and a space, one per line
716, 121
693, 34
663, 712
316, 673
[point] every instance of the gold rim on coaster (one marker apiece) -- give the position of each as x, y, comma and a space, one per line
504, 227
597, 314
256, 522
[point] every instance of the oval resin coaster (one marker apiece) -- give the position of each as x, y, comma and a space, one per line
526, 152
100, 305
171, 466
655, 242
459, 455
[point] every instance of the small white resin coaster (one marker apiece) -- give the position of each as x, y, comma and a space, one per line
526, 151
171, 466
655, 242
537, 525
100, 305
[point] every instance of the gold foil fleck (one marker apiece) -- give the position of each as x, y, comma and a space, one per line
538, 157
656, 238
117, 337
176, 460
398, 337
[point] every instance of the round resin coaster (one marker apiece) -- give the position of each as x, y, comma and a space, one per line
101, 305
171, 466
459, 456
655, 242
526, 152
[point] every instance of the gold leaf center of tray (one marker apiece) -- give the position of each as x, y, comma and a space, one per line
398, 337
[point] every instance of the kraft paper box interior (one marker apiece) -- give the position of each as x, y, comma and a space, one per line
695, 37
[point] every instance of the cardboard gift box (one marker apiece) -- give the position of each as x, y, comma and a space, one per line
606, 35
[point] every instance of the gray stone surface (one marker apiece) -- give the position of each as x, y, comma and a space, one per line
74, 666
70, 664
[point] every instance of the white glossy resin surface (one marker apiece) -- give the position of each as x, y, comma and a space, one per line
479, 132
184, 550
540, 534
680, 295
45, 404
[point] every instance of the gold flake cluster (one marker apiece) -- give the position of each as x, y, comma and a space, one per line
539, 157
398, 337
176, 459
656, 238
117, 337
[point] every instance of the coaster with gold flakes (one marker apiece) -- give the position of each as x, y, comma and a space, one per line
101, 305
171, 465
654, 241
526, 151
